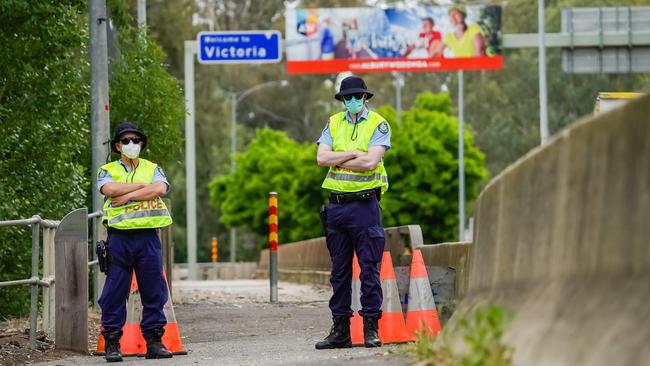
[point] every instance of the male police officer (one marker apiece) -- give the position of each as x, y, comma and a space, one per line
353, 144
133, 210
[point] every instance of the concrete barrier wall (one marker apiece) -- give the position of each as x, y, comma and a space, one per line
309, 260
217, 271
450, 255
562, 241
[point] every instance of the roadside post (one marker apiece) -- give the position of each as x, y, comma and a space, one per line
273, 245
215, 254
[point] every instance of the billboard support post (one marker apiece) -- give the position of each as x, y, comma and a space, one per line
461, 158
399, 84
541, 60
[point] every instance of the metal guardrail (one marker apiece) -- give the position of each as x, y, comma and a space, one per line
34, 281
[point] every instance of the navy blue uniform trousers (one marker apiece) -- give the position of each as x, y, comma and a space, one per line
355, 227
142, 251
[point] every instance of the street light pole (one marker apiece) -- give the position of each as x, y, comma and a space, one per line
235, 98
142, 13
233, 166
99, 114
190, 160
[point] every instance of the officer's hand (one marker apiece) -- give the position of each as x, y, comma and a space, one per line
119, 200
358, 154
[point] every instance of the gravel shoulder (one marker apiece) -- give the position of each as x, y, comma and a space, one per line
232, 323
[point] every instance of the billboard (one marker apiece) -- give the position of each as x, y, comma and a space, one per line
443, 38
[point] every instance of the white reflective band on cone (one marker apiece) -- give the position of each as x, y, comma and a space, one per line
391, 297
420, 296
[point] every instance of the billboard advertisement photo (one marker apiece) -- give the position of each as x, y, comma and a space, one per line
443, 38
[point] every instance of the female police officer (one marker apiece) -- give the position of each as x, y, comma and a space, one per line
353, 144
133, 210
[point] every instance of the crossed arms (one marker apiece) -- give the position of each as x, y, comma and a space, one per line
355, 160
121, 193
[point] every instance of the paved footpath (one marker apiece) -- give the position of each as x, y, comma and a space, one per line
231, 323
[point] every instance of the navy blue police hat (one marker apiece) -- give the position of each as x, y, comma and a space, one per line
123, 128
352, 85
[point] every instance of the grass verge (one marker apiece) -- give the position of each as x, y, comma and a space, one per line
481, 336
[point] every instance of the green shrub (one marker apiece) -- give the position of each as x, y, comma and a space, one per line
482, 336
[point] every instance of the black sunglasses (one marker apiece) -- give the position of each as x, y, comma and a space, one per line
126, 140
355, 95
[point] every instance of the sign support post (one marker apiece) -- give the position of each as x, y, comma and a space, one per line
190, 159
461, 157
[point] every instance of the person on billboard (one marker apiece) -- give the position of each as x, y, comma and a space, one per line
430, 41
351, 47
465, 40
327, 41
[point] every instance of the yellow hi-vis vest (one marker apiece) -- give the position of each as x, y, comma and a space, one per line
150, 214
344, 180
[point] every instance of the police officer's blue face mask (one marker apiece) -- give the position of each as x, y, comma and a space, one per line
354, 105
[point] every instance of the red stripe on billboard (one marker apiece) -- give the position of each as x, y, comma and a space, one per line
392, 64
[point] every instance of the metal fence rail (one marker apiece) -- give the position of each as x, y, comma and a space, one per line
36, 222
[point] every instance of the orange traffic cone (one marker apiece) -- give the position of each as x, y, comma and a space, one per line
132, 343
391, 325
356, 322
422, 310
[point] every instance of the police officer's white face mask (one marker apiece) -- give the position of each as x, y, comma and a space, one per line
132, 150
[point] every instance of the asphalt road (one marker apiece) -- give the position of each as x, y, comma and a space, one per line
230, 323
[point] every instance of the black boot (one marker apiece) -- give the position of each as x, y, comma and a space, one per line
155, 348
113, 346
370, 336
339, 336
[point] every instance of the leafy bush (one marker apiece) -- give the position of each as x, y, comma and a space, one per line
482, 336
142, 91
423, 168
43, 114
273, 162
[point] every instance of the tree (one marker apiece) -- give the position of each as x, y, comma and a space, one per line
273, 162
44, 99
422, 168
142, 91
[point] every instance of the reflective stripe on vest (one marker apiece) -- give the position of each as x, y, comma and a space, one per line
344, 180
356, 178
137, 215
150, 214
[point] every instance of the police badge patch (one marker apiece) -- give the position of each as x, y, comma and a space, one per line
383, 127
102, 173
160, 171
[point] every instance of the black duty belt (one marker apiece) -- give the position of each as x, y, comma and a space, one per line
344, 197
112, 230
